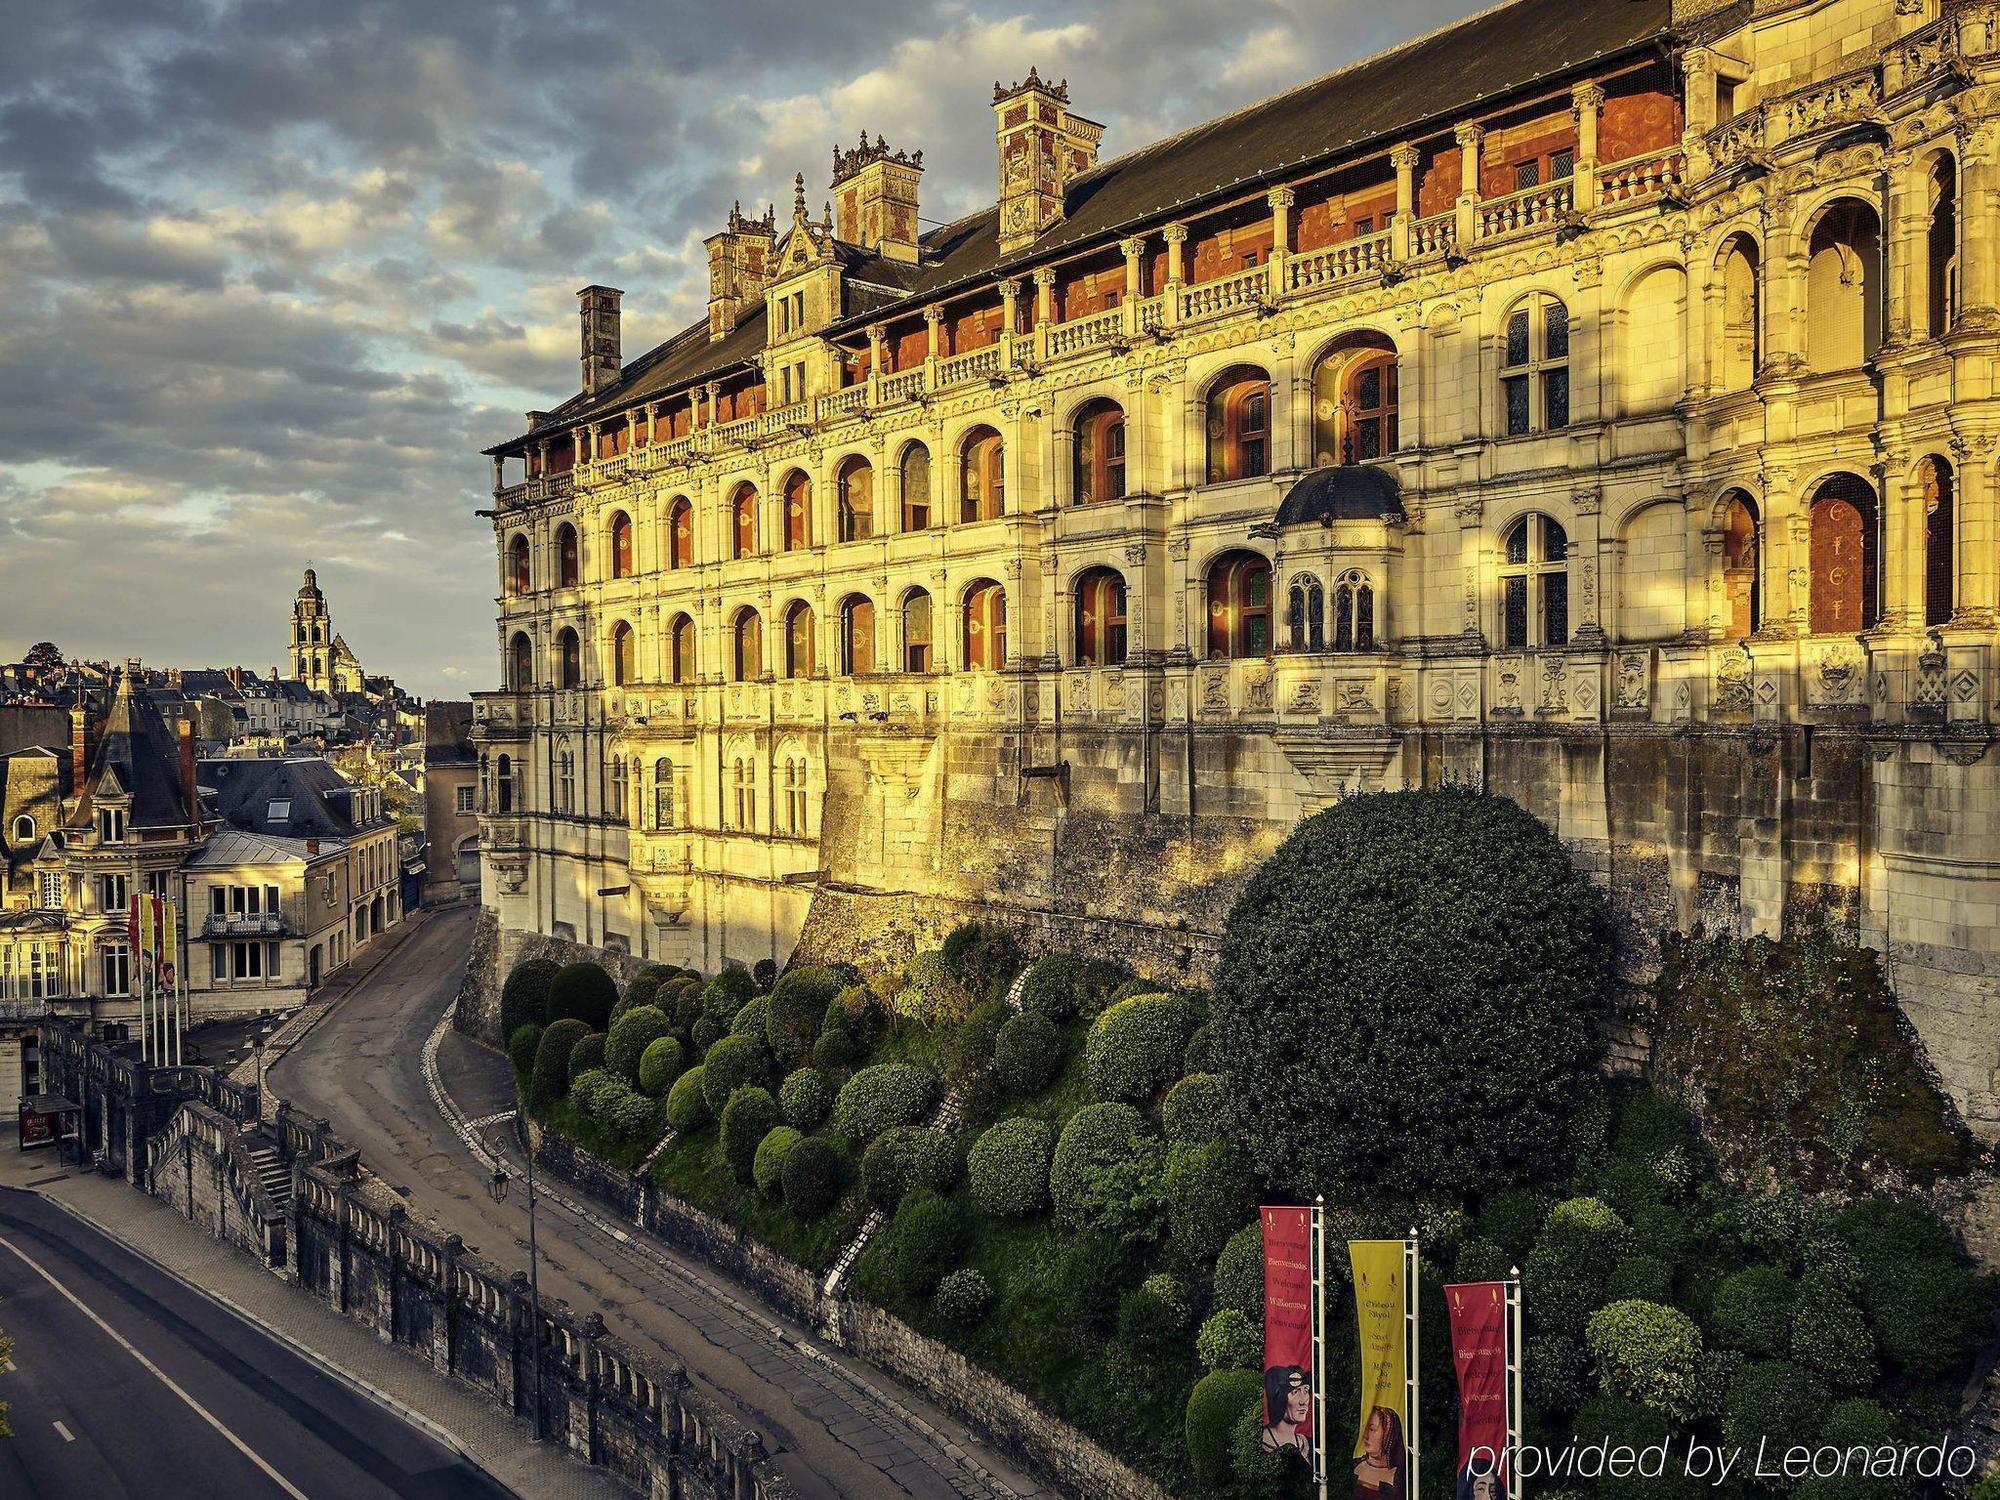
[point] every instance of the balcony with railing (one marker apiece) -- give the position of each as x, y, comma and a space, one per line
974, 364
245, 925
531, 491
852, 401
1654, 174
1311, 269
1086, 332
905, 385
1538, 207
1228, 294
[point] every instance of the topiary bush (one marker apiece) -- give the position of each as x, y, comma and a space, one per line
732, 1063
884, 1095
1773, 1403
1095, 1134
550, 1080
582, 992
1239, 1272
1007, 1169
923, 1242
1648, 1353
1752, 1311
524, 998
644, 989
768, 1166
1661, 1231
631, 1034
687, 1101
749, 1116
1207, 1191
749, 1018
984, 958
764, 973
906, 1157
963, 1297
1050, 988
931, 994
659, 1065
1214, 1407
1830, 1336
1199, 1054
806, 1097
798, 1010
681, 999
972, 1046
728, 992
1479, 1259
706, 1032
588, 1087
521, 1046
1645, 1277
1027, 1055
1570, 1267
586, 1055
1512, 1219
1195, 1108
811, 1178
1134, 1049
1395, 946
1229, 1341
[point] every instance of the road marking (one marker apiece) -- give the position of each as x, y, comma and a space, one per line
161, 1375
64, 1433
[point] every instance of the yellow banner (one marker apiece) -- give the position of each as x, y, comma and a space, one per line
1380, 1443
148, 942
169, 943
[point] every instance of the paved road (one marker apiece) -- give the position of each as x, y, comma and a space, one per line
361, 1068
127, 1383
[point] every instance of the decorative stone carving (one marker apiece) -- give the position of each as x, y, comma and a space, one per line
1257, 691
1732, 683
1215, 690
1634, 687
1508, 685
1305, 697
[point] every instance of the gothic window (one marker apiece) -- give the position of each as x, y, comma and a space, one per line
1100, 453
1356, 402
503, 784
614, 790
1844, 562
1741, 336
565, 783
916, 476
1942, 245
1353, 612
1100, 619
917, 631
1239, 425
1305, 614
1934, 479
1239, 606
521, 663
854, 487
485, 782
1534, 370
748, 639
681, 636
793, 808
857, 636
981, 485
743, 785
520, 572
622, 666
1534, 584
566, 556
680, 534
1741, 561
621, 545
663, 793
985, 627
798, 511
1844, 287
799, 640
743, 521
569, 652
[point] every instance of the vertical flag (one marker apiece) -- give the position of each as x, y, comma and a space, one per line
1291, 1318
1383, 1440
163, 958
133, 948
1479, 1318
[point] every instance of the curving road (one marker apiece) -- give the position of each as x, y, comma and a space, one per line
361, 1068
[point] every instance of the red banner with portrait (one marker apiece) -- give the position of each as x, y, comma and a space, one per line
1288, 1331
1479, 1354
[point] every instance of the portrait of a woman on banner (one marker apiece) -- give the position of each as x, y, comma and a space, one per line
1378, 1472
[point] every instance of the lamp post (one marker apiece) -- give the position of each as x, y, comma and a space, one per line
498, 1187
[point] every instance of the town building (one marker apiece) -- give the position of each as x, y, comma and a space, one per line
319, 655
1592, 402
451, 813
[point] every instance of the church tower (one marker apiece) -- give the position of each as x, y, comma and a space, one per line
312, 637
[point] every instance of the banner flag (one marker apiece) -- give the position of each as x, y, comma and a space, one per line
1479, 1354
163, 958
132, 928
1290, 1317
1381, 1442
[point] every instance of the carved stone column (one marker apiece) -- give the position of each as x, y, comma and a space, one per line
1978, 589
1281, 200
1404, 159
1979, 224
1470, 139
1586, 107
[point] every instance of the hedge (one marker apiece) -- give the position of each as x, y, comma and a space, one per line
586, 1055
1648, 1353
551, 1076
1195, 1108
906, 1157
1134, 1049
1027, 1055
732, 1063
1093, 1134
806, 1097
1207, 1191
659, 1065
798, 1010
1007, 1169
631, 1034
582, 992
687, 1101
963, 1298
521, 1045
1239, 1272
811, 1178
1214, 1407
1229, 1341
884, 1095
749, 1116
524, 998
768, 1166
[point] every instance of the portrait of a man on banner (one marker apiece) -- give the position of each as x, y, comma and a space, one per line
1288, 1332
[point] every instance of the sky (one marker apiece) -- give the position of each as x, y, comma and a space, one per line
272, 272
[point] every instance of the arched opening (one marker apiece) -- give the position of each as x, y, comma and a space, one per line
1239, 606
854, 495
1239, 425
566, 556
1305, 614
1844, 287
1534, 366
1844, 556
743, 784
1356, 401
621, 545
1942, 245
857, 636
565, 782
985, 627
664, 803
743, 521
614, 789
520, 569
1353, 612
917, 631
520, 663
680, 534
795, 804
503, 783
1099, 432
1742, 554
1934, 481
916, 483
24, 831
799, 640
981, 483
1739, 351
1534, 584
680, 655
798, 511
623, 660
747, 642
1100, 618
569, 658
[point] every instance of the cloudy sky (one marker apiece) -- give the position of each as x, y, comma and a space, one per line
272, 272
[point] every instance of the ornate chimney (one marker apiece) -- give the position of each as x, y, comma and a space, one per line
1043, 148
601, 362
739, 267
875, 198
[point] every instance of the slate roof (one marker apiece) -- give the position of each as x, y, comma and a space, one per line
1430, 81
1344, 492
137, 749
314, 794
233, 846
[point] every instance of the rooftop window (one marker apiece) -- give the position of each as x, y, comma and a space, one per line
279, 811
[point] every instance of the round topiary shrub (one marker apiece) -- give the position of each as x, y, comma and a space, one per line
681, 999
550, 1080
1513, 1218
1479, 1259
521, 1047
806, 1097
1570, 1267
1930, 1316
687, 1102
834, 1051
1050, 988
1195, 1108
1173, 1295
586, 1055
1199, 1054
1396, 945
1027, 1055
906, 1157
1773, 1403
1239, 1272
811, 1178
1134, 1049
1648, 1353
749, 1116
749, 1017
1094, 1134
706, 1032
1645, 1277
1661, 1230
1008, 1168
797, 1011
887, 1094
963, 1298
1752, 1311
1229, 1341
1831, 1337
582, 992
1207, 1191
524, 998
631, 1034
588, 1089
735, 1062
1214, 1407
659, 1066
923, 1242
1558, 1371
643, 990
768, 1166
728, 992
764, 973
971, 1048
931, 994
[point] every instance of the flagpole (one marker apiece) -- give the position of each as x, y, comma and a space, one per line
1410, 1361
1318, 1239
1516, 1358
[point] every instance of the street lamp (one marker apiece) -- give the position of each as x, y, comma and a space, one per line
497, 1186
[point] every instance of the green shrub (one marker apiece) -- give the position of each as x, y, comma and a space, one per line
734, 1062
1214, 1407
727, 992
1151, 1330
923, 1242
659, 1066
1661, 1231
1207, 1192
1830, 1335
1239, 1272
749, 1018
963, 1297
1570, 1267
1134, 1049
1930, 1316
811, 1178
906, 1157
1199, 1054
797, 1011
587, 1088
973, 1045
551, 1076
1027, 1055
1856, 1423
1648, 1353
706, 1032
1050, 988
931, 994
768, 1166
1008, 1168
1229, 1341
1775, 1403
644, 989
582, 992
1092, 1271
586, 1055
687, 1101
1195, 1107
1479, 1259
1095, 1134
749, 1116
521, 1046
632, 1116
806, 1097
884, 1095
680, 998
1395, 945
631, 1034
983, 957
1513, 1218
1713, 1377
1752, 1311
524, 998
1887, 1231
1172, 1293
1259, 1469
1646, 1277
1558, 1371
833, 1051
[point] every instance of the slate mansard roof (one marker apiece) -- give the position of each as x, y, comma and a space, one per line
1372, 103
309, 797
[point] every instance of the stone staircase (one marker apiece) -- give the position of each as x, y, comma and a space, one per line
273, 1175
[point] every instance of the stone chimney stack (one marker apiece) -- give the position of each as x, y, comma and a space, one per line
739, 267
1043, 149
190, 791
601, 355
875, 198
82, 745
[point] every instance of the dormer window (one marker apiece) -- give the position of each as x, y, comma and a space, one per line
279, 811
111, 825
24, 831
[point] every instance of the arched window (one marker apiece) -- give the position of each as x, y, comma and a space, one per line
748, 642
1534, 367
1934, 480
981, 485
569, 654
1741, 561
1534, 584
743, 783
503, 783
1100, 619
857, 636
680, 534
614, 789
565, 782
798, 494
1239, 425
1100, 452
485, 782
854, 495
1356, 402
566, 556
1353, 612
1239, 606
621, 545
1305, 614
916, 478
799, 640
916, 631
680, 636
663, 794
24, 831
743, 521
1844, 287
1843, 556
520, 663
520, 570
985, 627
1942, 245
623, 669
1740, 352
